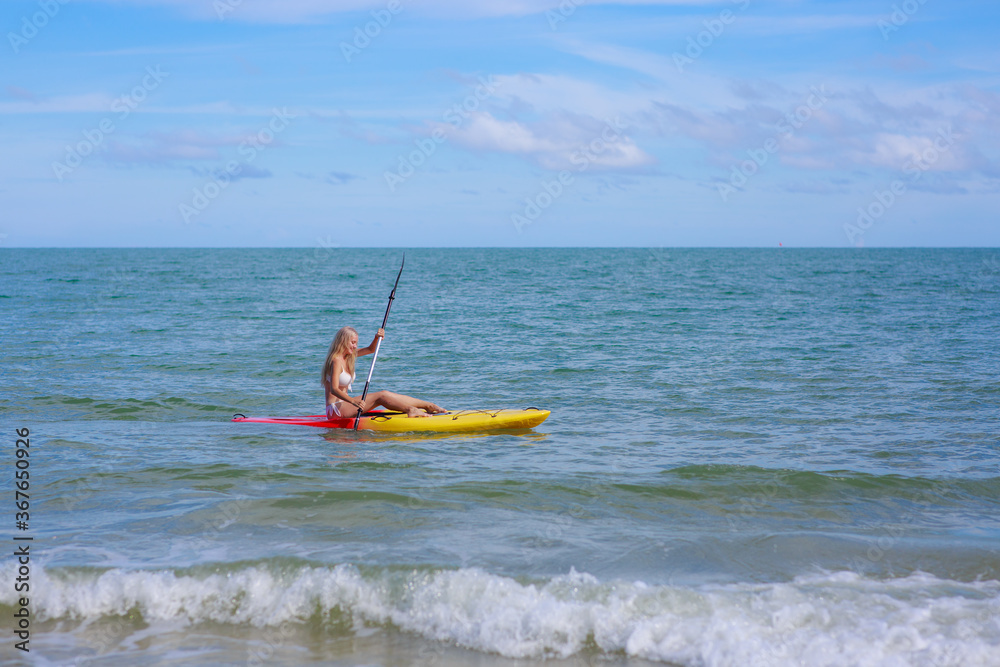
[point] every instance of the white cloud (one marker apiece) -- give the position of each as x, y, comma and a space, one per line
306, 11
690, 84
555, 143
651, 64
792, 25
892, 151
86, 103
485, 133
157, 153
547, 93
545, 118
175, 147
104, 103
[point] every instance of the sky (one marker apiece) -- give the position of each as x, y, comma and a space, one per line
434, 123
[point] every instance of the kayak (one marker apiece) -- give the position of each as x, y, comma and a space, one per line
398, 422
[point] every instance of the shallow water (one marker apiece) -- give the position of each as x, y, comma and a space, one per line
755, 457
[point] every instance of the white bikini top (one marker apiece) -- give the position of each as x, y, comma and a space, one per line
344, 380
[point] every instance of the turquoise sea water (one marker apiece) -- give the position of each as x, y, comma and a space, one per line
755, 457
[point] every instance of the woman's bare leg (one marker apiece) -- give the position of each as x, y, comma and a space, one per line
413, 407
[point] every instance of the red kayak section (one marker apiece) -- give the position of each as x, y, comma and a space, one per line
320, 421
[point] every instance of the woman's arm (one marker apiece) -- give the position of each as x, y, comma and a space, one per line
334, 386
371, 348
343, 395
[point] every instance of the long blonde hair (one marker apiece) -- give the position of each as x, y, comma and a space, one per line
337, 348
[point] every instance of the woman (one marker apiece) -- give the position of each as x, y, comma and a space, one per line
338, 374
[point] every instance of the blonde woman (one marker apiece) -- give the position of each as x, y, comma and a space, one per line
338, 374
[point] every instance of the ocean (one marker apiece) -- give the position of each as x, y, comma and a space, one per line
755, 457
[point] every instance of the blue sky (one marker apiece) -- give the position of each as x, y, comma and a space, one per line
519, 123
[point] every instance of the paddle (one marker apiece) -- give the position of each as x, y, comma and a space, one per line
392, 295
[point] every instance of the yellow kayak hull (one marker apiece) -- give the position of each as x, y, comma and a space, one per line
455, 422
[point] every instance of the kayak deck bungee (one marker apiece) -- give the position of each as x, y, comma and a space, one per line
398, 422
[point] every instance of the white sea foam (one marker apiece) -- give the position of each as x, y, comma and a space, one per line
827, 619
